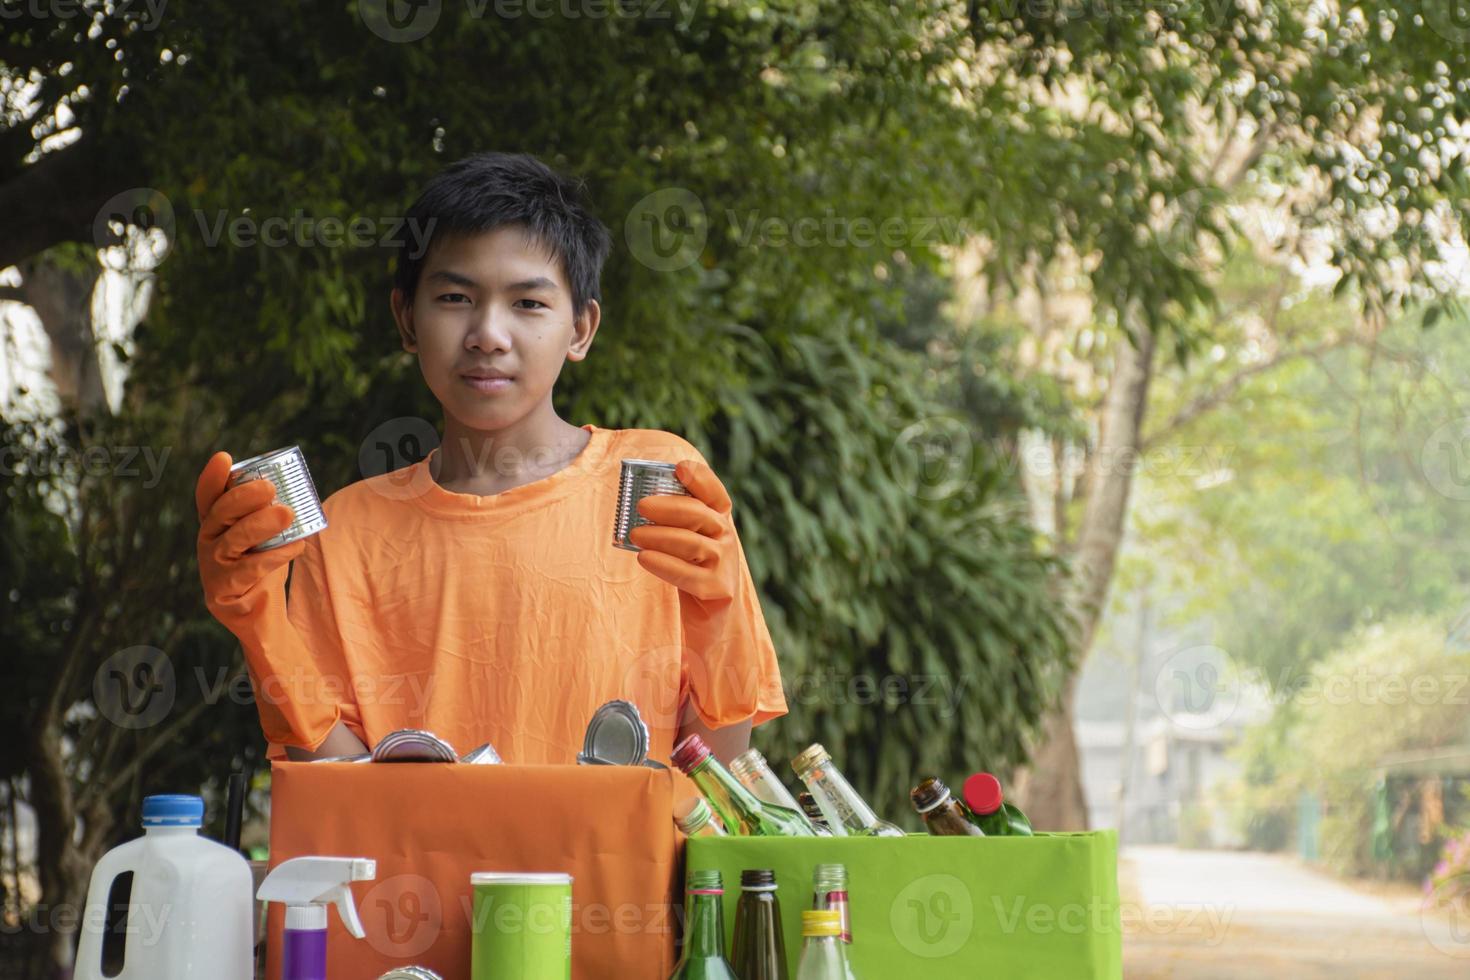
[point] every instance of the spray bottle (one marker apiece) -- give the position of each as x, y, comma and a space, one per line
306, 886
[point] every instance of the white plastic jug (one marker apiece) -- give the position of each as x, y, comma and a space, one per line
189, 911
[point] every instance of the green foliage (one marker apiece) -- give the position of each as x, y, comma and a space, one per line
1325, 495
1394, 687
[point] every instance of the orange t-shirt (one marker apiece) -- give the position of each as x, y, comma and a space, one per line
508, 618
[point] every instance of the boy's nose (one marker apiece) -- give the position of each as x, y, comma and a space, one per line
490, 332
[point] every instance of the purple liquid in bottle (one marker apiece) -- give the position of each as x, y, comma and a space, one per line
304, 956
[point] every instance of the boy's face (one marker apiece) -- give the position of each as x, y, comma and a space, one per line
492, 324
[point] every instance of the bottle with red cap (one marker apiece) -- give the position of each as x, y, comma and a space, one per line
737, 808
989, 810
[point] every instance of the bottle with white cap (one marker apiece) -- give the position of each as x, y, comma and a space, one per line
306, 886
189, 908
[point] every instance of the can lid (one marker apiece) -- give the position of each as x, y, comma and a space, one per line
261, 458
413, 745
689, 753
173, 810
653, 464
520, 878
617, 734
983, 794
821, 922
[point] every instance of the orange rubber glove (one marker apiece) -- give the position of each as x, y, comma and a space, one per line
246, 592
693, 546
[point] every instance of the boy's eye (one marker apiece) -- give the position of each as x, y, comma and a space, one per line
536, 304
453, 297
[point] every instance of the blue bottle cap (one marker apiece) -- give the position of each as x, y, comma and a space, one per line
173, 810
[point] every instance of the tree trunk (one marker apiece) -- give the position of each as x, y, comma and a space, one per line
1051, 787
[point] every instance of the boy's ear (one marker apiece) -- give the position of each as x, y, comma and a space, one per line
403, 316
584, 328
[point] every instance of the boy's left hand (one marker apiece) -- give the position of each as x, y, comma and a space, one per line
692, 543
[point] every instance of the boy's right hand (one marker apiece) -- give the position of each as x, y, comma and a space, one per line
232, 520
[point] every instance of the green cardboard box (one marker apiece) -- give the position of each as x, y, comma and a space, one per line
962, 907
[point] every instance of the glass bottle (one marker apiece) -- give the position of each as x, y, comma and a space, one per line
846, 812
942, 814
740, 812
823, 957
698, 821
991, 813
759, 951
814, 814
703, 957
754, 773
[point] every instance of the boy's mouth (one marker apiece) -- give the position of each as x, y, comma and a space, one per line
487, 382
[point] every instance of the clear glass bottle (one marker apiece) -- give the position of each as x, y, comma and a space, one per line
758, 951
754, 773
814, 814
823, 957
703, 957
740, 812
846, 812
829, 893
698, 821
941, 812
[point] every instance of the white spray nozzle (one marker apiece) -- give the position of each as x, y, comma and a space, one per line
307, 881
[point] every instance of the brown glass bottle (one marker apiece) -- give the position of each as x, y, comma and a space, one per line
758, 951
941, 813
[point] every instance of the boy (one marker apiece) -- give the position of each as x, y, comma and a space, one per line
477, 593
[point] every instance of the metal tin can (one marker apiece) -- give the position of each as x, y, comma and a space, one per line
413, 745
485, 755
411, 973
286, 468
616, 735
522, 926
641, 478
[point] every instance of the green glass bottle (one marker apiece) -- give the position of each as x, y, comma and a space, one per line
989, 810
737, 808
703, 957
759, 951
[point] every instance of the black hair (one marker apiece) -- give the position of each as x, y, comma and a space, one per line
489, 190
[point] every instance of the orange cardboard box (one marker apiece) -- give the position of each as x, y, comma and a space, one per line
431, 825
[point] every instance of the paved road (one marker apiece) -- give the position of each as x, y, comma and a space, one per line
1218, 915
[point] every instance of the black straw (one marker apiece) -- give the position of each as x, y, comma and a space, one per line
234, 810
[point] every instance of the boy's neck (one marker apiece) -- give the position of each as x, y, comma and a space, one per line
479, 461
